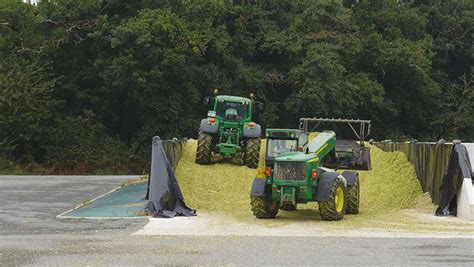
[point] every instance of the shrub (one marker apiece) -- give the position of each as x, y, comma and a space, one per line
79, 144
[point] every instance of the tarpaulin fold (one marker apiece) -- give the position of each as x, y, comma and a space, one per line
173, 150
459, 167
165, 197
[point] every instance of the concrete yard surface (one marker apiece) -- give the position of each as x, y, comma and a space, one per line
211, 224
121, 249
31, 235
30, 204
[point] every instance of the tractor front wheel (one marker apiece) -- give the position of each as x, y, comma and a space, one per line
353, 193
264, 209
252, 152
204, 152
334, 208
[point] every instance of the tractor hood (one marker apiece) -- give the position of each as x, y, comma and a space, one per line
295, 156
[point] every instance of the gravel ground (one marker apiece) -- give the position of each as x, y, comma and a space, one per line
30, 234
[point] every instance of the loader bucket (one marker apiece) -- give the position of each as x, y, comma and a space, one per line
348, 154
361, 159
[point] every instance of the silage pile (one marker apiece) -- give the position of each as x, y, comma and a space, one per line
225, 187
220, 187
391, 184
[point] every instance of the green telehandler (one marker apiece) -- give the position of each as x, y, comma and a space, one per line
229, 130
296, 171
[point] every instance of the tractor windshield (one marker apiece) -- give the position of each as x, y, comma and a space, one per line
277, 146
233, 111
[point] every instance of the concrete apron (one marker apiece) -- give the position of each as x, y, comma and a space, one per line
214, 225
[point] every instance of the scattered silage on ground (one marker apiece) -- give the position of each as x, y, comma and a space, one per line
224, 189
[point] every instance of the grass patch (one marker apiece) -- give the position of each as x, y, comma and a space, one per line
8, 167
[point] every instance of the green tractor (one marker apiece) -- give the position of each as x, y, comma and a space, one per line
296, 172
229, 130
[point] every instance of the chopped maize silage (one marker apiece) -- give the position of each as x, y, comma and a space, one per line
219, 187
225, 187
390, 196
391, 184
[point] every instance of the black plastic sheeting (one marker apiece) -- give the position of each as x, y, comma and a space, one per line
173, 149
440, 168
165, 197
459, 167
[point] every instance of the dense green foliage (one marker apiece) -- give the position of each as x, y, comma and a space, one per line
84, 85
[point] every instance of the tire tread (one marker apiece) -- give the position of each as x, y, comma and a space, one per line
204, 152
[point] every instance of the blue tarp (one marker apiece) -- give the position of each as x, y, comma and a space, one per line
125, 202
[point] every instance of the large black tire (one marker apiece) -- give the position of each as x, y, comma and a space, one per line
204, 151
252, 152
264, 209
353, 194
288, 207
333, 209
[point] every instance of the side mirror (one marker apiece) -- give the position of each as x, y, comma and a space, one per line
205, 100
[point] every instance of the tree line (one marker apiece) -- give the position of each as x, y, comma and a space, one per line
84, 85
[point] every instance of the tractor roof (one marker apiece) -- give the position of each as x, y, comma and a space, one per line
230, 98
283, 133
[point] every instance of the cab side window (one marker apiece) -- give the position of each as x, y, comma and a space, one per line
302, 139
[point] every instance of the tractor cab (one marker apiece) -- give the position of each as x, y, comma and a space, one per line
283, 140
234, 109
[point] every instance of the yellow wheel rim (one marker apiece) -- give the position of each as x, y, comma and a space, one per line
339, 200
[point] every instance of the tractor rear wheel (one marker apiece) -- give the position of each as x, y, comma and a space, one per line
353, 193
252, 152
334, 208
204, 152
263, 208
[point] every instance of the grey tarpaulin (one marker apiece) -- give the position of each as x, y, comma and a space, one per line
459, 167
173, 149
165, 197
